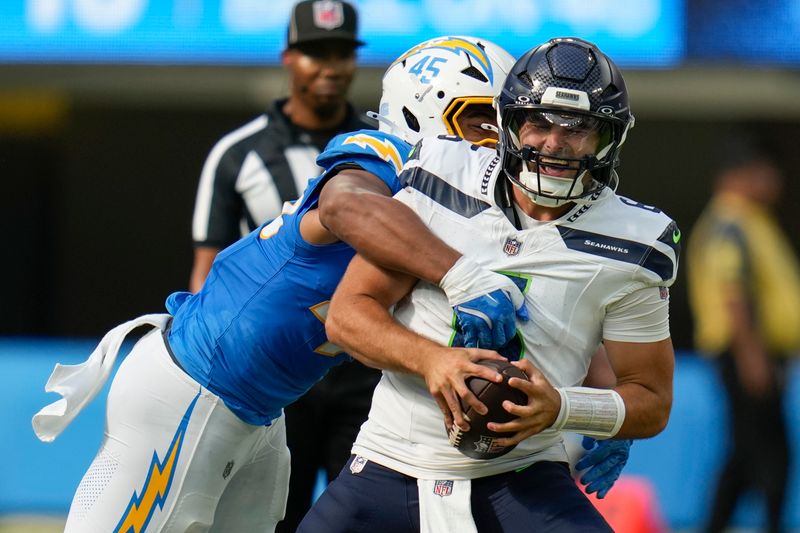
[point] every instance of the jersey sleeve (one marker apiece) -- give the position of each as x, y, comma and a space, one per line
376, 152
639, 316
669, 245
640, 313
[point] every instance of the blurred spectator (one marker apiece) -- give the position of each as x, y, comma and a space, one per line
247, 177
744, 286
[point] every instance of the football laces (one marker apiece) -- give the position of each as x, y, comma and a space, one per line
456, 433
455, 436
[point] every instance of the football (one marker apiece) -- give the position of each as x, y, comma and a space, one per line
478, 442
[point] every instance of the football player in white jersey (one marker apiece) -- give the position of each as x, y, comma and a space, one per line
594, 266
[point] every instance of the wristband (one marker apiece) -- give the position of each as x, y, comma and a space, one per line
594, 412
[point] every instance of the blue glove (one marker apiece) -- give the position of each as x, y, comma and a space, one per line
605, 461
486, 303
488, 321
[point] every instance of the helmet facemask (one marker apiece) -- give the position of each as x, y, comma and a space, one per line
459, 121
563, 115
556, 156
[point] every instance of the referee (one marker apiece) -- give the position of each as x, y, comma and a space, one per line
246, 178
252, 170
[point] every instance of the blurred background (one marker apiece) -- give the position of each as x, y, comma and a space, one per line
108, 109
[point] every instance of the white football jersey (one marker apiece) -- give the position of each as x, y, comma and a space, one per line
599, 272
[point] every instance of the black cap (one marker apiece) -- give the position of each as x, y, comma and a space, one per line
315, 20
742, 147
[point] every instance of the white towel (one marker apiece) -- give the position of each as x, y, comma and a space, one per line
444, 506
79, 384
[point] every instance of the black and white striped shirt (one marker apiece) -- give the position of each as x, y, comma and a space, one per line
252, 170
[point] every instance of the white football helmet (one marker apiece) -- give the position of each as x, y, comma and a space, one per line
428, 87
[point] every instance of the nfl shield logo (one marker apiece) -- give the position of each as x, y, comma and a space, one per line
511, 247
358, 464
483, 444
663, 293
328, 14
443, 487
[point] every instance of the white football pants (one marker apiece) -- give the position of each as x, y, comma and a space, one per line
175, 459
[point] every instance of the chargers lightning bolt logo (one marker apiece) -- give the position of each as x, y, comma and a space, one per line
157, 483
321, 312
455, 45
384, 148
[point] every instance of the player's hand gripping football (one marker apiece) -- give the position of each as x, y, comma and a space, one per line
445, 374
486, 304
480, 442
539, 414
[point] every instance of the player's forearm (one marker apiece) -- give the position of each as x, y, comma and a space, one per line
352, 324
388, 233
746, 342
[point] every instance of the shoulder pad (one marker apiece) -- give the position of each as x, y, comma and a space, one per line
459, 162
364, 145
448, 171
631, 232
669, 243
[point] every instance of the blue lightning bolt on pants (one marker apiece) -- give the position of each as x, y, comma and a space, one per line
175, 458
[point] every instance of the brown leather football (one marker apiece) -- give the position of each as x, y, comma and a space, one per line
478, 442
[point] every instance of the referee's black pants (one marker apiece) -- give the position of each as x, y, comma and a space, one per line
321, 427
759, 456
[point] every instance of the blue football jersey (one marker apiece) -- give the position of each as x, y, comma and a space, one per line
255, 333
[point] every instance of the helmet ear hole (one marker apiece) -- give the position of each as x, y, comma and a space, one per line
473, 72
526, 79
610, 91
411, 120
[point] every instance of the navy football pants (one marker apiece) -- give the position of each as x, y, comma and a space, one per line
542, 498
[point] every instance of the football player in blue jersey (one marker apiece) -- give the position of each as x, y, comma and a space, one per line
195, 437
